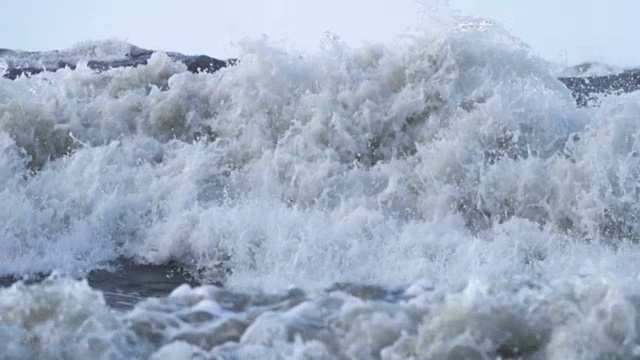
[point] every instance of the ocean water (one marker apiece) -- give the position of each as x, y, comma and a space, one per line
441, 197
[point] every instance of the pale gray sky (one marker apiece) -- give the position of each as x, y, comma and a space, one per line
566, 31
569, 30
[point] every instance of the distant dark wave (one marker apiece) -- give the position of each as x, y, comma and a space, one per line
194, 63
583, 89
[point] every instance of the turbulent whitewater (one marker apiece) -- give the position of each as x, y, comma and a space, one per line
439, 198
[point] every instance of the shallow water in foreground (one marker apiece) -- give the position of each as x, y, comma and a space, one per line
582, 318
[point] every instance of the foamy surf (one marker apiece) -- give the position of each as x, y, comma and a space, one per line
442, 197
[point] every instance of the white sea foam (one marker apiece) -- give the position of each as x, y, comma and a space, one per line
452, 167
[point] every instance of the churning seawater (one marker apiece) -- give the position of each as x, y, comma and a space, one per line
439, 198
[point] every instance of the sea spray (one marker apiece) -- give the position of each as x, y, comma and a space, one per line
439, 197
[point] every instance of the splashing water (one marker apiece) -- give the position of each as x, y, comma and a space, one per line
452, 171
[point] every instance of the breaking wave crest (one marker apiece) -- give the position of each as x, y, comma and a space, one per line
439, 197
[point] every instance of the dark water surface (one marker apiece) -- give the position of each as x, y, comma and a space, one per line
128, 283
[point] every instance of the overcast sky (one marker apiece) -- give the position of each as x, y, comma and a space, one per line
565, 31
